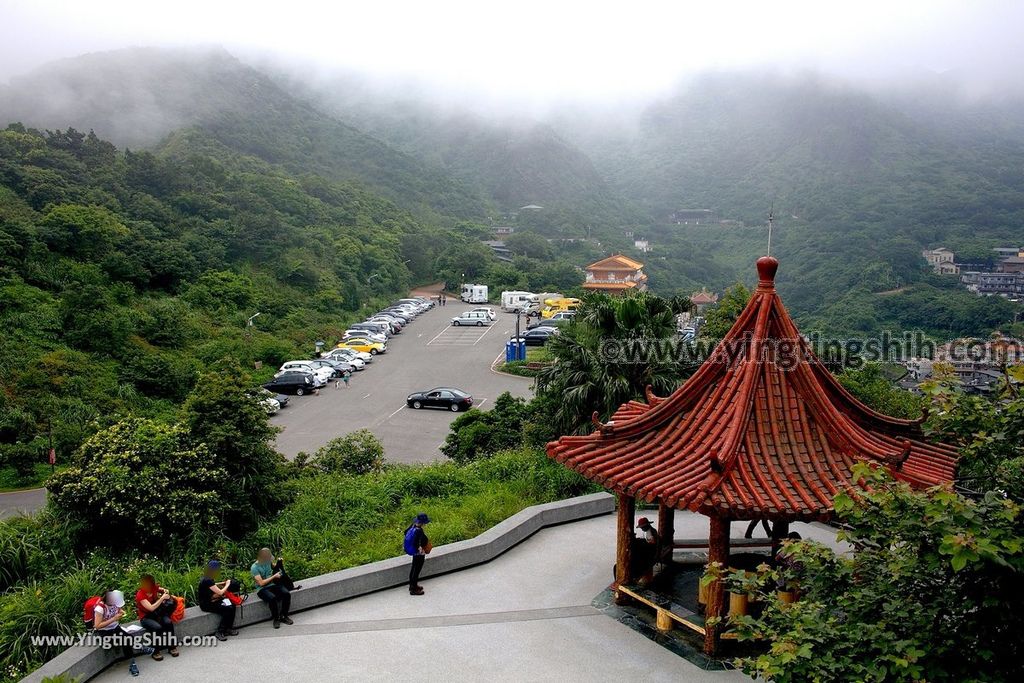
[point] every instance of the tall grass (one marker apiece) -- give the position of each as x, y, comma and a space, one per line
335, 521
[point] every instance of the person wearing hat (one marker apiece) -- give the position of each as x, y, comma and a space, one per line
212, 599
106, 621
418, 545
652, 544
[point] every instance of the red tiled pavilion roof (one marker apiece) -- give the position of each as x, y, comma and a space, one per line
745, 438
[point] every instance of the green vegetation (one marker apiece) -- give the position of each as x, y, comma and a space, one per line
612, 351
931, 594
124, 275
333, 521
359, 452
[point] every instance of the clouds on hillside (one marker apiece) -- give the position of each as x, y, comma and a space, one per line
546, 49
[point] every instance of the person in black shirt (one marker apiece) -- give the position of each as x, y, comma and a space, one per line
211, 599
418, 545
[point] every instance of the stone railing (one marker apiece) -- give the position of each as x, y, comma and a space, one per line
85, 662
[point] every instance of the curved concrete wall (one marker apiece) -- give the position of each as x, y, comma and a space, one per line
86, 662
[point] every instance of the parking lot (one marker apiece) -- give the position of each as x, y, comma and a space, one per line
428, 353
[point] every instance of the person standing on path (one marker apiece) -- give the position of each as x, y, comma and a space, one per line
418, 545
345, 377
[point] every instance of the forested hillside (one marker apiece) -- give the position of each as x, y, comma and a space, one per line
860, 184
124, 273
510, 157
136, 97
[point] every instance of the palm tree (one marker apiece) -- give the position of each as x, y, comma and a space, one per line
614, 349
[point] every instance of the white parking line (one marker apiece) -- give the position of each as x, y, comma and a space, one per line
443, 330
367, 396
482, 401
489, 328
395, 413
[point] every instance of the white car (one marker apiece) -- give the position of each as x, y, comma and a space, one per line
322, 374
489, 311
348, 356
365, 334
271, 405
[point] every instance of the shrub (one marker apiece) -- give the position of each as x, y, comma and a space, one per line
141, 481
480, 433
222, 415
358, 452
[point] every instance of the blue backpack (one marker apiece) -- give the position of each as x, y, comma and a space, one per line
410, 540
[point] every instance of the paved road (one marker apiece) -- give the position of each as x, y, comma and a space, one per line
18, 502
429, 352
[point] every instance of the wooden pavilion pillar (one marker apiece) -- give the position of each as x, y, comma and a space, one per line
666, 527
718, 551
624, 545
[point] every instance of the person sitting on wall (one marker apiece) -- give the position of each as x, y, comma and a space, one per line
154, 606
212, 597
273, 586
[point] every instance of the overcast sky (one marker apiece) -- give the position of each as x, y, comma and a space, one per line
543, 48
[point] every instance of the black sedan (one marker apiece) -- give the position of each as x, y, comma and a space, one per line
441, 397
538, 336
291, 383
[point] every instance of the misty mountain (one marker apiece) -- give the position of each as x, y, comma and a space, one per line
512, 159
136, 97
820, 151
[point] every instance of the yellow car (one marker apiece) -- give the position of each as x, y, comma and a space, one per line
364, 345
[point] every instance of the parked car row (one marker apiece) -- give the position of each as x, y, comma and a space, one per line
358, 347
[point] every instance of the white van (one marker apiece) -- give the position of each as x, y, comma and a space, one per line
474, 294
478, 318
515, 301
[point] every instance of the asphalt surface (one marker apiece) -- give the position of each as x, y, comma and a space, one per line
429, 352
18, 502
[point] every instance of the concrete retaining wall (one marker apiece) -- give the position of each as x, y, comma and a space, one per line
86, 662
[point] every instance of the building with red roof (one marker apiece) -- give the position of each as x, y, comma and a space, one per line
761, 431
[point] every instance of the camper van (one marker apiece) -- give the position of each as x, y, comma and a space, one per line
515, 301
536, 302
552, 306
474, 294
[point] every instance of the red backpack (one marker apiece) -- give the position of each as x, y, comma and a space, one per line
90, 610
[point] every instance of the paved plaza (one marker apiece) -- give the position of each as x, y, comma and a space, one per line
526, 616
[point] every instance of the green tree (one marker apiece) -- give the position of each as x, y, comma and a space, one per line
613, 350
358, 452
142, 483
720, 317
478, 433
870, 385
222, 414
930, 594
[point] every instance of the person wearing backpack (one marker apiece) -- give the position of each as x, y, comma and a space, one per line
418, 545
272, 583
213, 597
154, 606
106, 623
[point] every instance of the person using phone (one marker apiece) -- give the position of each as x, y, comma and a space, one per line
154, 605
272, 583
211, 595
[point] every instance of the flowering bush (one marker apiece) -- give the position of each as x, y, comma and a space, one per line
142, 482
